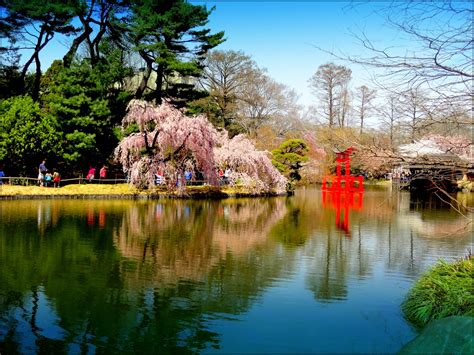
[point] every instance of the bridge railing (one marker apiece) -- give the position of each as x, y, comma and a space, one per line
29, 181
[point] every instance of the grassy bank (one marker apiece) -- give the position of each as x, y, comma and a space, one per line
118, 190
83, 189
445, 290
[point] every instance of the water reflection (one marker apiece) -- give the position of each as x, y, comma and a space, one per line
342, 202
163, 276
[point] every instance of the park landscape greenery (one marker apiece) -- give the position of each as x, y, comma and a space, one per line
77, 112
143, 87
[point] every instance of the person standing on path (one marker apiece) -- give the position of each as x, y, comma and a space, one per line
103, 173
2, 175
42, 170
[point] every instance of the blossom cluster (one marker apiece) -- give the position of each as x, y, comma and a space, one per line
170, 142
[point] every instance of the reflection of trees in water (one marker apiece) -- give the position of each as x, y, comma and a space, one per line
166, 240
328, 269
81, 278
149, 280
185, 239
179, 261
383, 230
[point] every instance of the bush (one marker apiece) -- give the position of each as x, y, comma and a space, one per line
445, 290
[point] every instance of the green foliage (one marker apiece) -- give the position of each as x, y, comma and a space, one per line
82, 98
445, 290
27, 135
289, 158
169, 36
10, 81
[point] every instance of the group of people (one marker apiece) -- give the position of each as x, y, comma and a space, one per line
45, 178
91, 173
224, 176
160, 179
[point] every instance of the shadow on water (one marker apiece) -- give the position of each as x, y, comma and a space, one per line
176, 276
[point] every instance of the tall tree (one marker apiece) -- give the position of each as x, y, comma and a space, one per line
415, 112
33, 25
365, 97
226, 75
390, 118
328, 83
441, 54
83, 98
170, 38
343, 106
260, 101
99, 19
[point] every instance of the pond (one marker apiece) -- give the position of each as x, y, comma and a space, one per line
283, 274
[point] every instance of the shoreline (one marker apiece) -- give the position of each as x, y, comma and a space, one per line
122, 191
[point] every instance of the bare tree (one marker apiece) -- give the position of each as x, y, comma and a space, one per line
365, 97
343, 106
415, 112
390, 118
289, 116
262, 99
329, 83
439, 56
226, 74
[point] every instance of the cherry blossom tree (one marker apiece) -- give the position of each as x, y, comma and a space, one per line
248, 166
167, 140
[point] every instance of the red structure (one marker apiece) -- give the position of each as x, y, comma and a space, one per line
341, 182
343, 192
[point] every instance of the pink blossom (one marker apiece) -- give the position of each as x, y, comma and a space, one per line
170, 141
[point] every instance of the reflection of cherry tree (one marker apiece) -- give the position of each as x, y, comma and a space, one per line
181, 239
170, 240
224, 245
244, 226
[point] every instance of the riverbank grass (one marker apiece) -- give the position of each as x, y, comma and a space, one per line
202, 191
77, 189
445, 290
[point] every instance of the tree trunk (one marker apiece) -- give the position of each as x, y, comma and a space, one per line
146, 75
159, 84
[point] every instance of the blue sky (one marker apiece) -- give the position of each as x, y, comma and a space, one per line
283, 36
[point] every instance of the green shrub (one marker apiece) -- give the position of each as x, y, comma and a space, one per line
445, 290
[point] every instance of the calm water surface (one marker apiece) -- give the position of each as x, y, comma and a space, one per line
249, 275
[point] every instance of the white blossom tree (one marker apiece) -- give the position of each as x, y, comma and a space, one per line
248, 166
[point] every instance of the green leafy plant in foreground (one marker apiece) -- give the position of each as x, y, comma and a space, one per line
445, 290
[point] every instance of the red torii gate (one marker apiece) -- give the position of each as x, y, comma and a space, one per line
343, 194
345, 182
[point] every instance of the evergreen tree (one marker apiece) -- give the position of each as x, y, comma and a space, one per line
83, 99
34, 23
170, 38
289, 158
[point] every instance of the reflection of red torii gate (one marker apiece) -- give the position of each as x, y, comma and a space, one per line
343, 194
